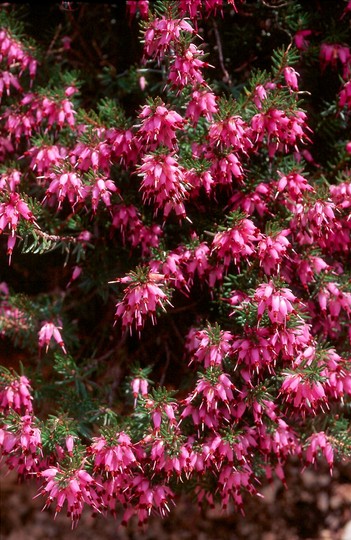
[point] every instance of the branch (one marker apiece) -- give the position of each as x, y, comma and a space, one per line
275, 6
54, 237
226, 77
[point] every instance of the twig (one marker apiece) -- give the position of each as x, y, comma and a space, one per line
181, 309
78, 32
51, 46
168, 358
54, 237
276, 6
226, 77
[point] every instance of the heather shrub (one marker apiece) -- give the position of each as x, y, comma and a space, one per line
176, 249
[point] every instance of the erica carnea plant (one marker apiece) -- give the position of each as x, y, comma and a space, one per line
176, 249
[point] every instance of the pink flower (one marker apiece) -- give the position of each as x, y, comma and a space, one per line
308, 267
127, 219
164, 183
341, 194
203, 103
346, 10
162, 412
231, 132
95, 154
254, 351
173, 267
7, 441
345, 95
21, 443
13, 320
291, 76
232, 481
11, 211
46, 111
141, 298
331, 297
314, 222
134, 6
186, 68
142, 83
10, 180
212, 346
114, 456
300, 40
303, 393
254, 201
43, 158
66, 43
8, 80
15, 393
215, 390
149, 238
272, 250
50, 330
319, 442
139, 386
66, 184
102, 189
281, 129
13, 53
18, 124
77, 270
124, 146
294, 184
288, 342
158, 126
330, 53
260, 95
276, 302
197, 261
76, 487
147, 498
236, 243
225, 166
190, 7
69, 444
161, 34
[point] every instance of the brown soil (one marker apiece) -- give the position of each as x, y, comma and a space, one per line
316, 506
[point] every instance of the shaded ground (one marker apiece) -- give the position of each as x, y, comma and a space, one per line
315, 506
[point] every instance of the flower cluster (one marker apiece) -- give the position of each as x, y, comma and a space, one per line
15, 393
163, 33
142, 296
14, 54
164, 183
186, 68
158, 127
11, 211
236, 243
